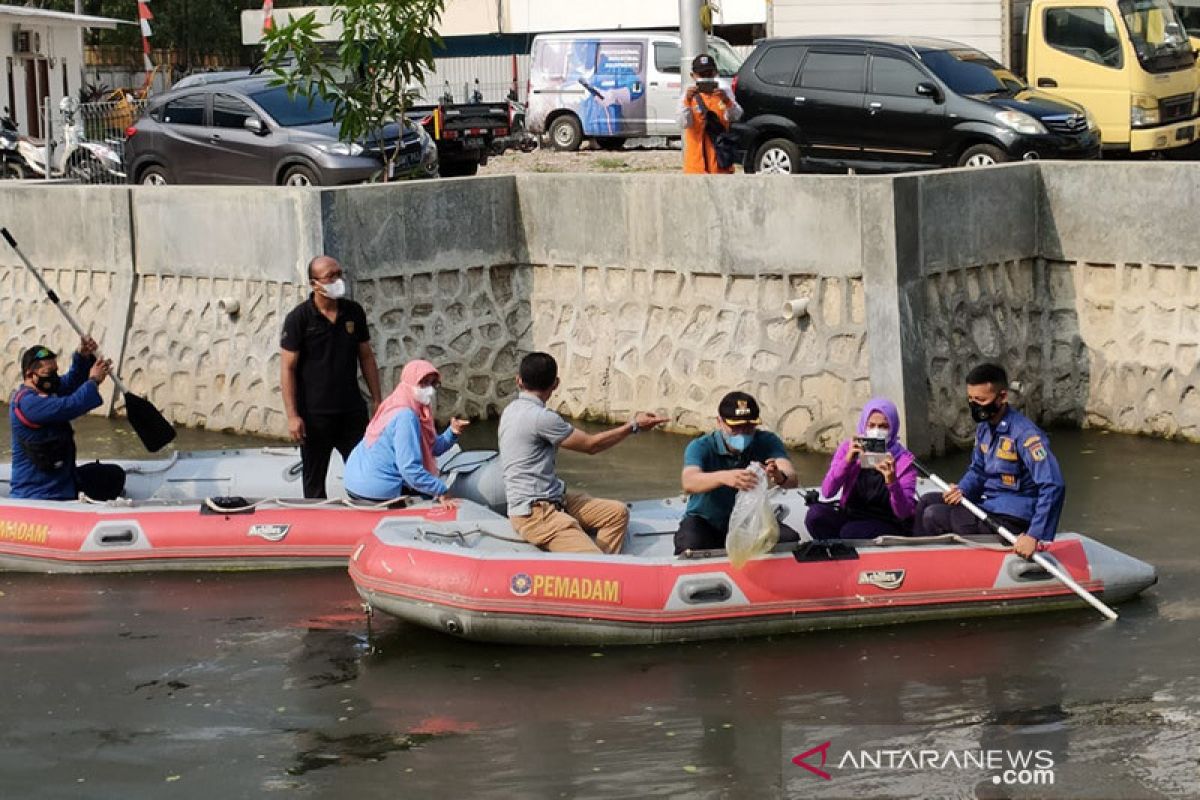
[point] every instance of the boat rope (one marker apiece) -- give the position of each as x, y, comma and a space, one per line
945, 538
382, 505
461, 535
163, 466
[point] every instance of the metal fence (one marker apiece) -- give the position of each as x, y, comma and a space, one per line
85, 142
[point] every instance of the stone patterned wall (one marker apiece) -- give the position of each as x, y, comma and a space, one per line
473, 323
1141, 323
201, 366
1021, 314
630, 339
1111, 346
30, 318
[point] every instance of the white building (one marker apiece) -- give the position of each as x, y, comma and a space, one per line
43, 58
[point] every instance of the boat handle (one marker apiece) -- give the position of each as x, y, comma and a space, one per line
705, 591
123, 537
1022, 570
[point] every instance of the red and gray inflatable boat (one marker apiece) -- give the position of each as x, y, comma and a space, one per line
197, 510
476, 579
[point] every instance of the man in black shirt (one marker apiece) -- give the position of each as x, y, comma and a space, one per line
325, 341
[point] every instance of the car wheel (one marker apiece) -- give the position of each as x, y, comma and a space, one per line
610, 142
982, 155
777, 157
154, 175
566, 133
299, 176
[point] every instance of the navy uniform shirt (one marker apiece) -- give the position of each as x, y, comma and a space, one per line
327, 368
38, 417
711, 454
1013, 472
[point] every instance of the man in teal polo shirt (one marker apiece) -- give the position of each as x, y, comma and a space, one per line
715, 468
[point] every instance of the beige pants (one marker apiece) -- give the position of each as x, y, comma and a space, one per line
563, 531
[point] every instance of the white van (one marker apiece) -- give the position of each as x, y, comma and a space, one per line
610, 86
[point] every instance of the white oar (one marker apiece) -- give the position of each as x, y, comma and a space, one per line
1038, 558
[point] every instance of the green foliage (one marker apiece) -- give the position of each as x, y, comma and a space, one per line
383, 52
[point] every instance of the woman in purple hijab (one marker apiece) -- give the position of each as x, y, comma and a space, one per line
878, 489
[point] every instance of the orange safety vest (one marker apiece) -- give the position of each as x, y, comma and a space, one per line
699, 155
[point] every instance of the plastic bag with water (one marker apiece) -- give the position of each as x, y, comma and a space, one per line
753, 528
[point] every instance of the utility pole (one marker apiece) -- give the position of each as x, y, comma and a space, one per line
692, 42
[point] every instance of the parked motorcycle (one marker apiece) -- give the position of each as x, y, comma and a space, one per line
72, 155
12, 166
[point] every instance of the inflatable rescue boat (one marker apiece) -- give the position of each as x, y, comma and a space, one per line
475, 578
225, 509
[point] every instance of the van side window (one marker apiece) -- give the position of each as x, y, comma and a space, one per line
842, 72
186, 110
895, 76
1087, 33
667, 57
778, 65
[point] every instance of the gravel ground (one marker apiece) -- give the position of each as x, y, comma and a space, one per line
643, 155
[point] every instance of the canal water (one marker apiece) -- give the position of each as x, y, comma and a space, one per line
246, 685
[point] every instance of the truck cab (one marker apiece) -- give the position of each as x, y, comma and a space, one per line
1129, 62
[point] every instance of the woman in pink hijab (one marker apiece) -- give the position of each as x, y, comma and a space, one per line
399, 453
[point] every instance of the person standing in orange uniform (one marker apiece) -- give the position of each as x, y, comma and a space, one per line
699, 149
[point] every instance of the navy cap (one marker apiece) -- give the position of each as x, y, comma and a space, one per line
703, 63
33, 355
739, 408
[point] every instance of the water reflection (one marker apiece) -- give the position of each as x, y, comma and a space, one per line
240, 684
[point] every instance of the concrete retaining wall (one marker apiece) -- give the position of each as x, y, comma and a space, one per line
654, 291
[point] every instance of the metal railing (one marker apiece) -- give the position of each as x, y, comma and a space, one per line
85, 142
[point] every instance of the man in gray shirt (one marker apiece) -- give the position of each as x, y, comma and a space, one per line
540, 508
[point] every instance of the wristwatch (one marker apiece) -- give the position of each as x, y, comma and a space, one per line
633, 425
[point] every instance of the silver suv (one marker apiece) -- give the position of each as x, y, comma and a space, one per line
247, 131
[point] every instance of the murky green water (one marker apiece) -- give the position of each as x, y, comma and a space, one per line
248, 685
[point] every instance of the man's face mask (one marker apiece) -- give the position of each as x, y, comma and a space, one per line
738, 441
983, 412
334, 290
49, 383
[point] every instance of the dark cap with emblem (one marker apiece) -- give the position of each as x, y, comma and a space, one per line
739, 408
33, 355
703, 63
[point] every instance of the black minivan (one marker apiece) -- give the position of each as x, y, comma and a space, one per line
884, 104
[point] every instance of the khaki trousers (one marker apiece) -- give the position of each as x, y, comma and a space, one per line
563, 531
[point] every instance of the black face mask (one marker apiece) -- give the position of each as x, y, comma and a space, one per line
49, 384
982, 413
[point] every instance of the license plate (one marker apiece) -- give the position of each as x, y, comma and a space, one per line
474, 142
1185, 134
403, 163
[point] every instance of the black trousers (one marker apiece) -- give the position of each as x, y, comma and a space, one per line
322, 434
100, 481
934, 518
697, 533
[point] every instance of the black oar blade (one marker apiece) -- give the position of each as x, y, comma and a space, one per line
148, 423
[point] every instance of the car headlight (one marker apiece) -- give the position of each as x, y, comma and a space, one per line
1144, 111
1091, 120
341, 148
1020, 122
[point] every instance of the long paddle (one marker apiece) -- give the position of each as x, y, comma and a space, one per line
146, 420
1038, 558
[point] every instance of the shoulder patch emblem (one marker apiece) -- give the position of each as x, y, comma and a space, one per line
1038, 453
1031, 441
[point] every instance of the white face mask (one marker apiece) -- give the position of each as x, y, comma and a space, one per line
877, 433
424, 395
335, 290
